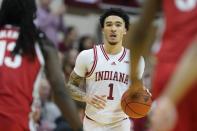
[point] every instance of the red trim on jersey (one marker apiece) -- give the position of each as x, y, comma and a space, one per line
107, 57
123, 55
104, 53
88, 74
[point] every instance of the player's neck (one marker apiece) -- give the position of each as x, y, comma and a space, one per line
113, 49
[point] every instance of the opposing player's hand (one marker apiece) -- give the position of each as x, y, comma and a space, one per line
98, 102
137, 86
163, 116
147, 90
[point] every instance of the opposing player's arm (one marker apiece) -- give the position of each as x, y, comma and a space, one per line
138, 46
56, 79
73, 87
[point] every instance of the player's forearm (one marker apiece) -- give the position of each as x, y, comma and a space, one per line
68, 108
63, 99
76, 93
141, 28
56, 79
135, 58
137, 69
184, 76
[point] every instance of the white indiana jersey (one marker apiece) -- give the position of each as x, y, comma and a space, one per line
105, 75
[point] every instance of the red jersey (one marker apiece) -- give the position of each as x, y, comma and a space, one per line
181, 27
18, 77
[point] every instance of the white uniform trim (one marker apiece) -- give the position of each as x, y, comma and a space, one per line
88, 74
38, 78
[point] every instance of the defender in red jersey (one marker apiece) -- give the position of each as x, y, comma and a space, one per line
174, 81
24, 53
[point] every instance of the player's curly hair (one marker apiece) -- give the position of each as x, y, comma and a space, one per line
21, 13
117, 12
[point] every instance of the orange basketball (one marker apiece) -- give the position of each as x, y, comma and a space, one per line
138, 105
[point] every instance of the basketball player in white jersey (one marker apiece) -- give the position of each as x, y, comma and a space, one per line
106, 71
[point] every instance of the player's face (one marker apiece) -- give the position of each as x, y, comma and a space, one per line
114, 29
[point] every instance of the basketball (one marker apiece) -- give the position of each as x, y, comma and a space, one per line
138, 105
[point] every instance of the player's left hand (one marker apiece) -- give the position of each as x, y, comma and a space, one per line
163, 117
97, 101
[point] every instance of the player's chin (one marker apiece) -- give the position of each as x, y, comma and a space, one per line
113, 42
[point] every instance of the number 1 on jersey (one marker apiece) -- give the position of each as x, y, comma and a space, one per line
110, 96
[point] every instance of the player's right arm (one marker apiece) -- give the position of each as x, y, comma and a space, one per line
77, 76
80, 95
73, 86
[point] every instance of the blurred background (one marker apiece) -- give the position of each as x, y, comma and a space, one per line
73, 26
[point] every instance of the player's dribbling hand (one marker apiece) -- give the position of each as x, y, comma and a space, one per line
163, 116
98, 102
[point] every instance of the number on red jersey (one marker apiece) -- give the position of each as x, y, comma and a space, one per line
7, 60
186, 5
